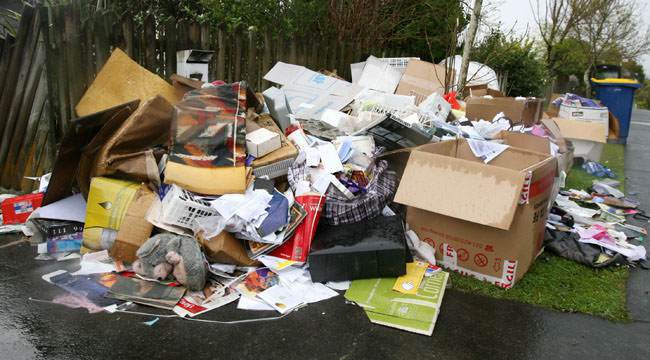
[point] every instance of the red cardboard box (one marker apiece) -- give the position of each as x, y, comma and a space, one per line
16, 210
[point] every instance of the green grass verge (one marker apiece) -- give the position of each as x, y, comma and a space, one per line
561, 284
613, 157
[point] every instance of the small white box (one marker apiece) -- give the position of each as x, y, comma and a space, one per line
262, 141
584, 113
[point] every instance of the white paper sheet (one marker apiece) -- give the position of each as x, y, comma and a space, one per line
378, 75
330, 158
486, 150
247, 303
98, 262
72, 208
338, 285
322, 183
333, 117
313, 157
281, 298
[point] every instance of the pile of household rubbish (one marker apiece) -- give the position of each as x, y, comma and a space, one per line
193, 195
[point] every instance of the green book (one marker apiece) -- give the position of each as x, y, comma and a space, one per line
416, 313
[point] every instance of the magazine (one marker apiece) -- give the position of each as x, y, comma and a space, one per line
146, 292
412, 312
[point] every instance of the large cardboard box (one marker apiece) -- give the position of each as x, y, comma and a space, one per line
485, 220
588, 137
527, 111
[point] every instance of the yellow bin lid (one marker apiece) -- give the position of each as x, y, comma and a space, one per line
615, 81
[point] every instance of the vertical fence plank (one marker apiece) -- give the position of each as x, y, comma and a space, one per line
72, 28
150, 43
266, 59
31, 125
102, 46
170, 48
205, 43
279, 48
57, 32
182, 37
194, 34
127, 33
8, 46
293, 49
34, 81
237, 59
88, 36
252, 75
221, 53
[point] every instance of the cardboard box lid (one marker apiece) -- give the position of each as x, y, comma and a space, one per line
582, 130
526, 141
438, 179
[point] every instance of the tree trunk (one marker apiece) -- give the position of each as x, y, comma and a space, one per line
586, 79
469, 42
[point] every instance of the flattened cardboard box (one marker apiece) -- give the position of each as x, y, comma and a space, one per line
122, 80
485, 220
422, 79
527, 111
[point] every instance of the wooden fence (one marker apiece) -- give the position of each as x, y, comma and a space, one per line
58, 50
27, 132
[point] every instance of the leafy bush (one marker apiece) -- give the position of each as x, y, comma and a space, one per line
526, 72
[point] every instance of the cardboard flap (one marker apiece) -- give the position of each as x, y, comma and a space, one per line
582, 130
462, 189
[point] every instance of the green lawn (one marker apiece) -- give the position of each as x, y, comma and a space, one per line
564, 285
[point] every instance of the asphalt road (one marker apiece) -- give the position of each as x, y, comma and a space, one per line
469, 326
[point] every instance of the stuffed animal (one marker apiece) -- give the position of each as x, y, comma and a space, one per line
166, 254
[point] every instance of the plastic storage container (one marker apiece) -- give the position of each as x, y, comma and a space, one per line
618, 96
